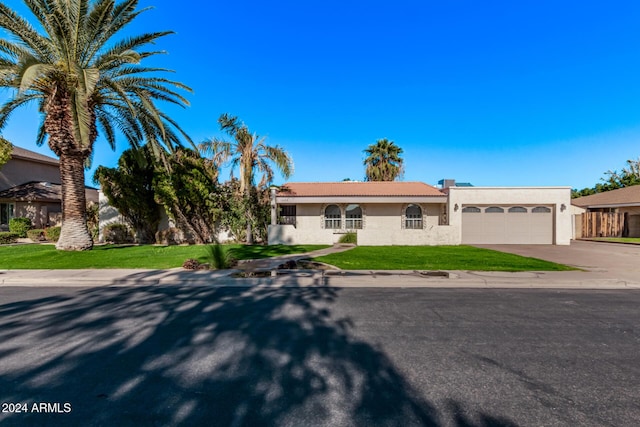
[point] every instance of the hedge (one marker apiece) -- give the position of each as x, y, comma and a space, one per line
52, 233
20, 226
7, 237
36, 234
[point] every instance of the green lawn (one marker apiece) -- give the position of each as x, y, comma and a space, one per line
617, 239
435, 258
146, 256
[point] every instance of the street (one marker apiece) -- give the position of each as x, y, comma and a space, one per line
177, 355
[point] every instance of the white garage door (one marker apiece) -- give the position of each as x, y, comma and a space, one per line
507, 224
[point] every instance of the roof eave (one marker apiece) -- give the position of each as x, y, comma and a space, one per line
361, 199
610, 205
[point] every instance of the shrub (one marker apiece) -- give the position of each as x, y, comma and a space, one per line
36, 234
7, 237
349, 238
52, 233
118, 233
20, 226
218, 257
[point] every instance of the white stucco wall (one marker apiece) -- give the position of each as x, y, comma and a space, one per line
107, 215
382, 225
557, 197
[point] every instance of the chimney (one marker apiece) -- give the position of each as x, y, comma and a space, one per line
446, 183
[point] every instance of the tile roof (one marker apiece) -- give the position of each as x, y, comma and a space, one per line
22, 153
621, 196
33, 191
352, 188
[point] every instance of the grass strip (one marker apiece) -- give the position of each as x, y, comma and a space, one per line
435, 258
36, 257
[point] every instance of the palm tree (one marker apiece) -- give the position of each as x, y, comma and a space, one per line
85, 81
383, 162
5, 151
251, 154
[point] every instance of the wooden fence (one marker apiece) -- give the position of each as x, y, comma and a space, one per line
602, 224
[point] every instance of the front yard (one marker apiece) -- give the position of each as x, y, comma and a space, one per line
358, 258
435, 258
147, 256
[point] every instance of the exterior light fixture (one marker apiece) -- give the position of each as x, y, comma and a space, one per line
563, 207
456, 207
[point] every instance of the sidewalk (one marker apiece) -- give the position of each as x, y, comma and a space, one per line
314, 278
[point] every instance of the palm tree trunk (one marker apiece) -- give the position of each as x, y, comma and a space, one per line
74, 235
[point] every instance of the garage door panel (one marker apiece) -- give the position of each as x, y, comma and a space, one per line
541, 228
507, 225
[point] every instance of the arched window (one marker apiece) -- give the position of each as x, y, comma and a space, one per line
494, 209
471, 209
353, 217
332, 217
413, 217
541, 209
518, 209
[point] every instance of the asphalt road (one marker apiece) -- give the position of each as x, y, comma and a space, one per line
162, 356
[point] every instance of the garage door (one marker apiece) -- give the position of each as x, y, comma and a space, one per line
507, 224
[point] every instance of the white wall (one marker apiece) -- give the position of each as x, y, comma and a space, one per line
484, 196
107, 215
382, 225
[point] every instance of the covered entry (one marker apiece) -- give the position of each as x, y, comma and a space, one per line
507, 224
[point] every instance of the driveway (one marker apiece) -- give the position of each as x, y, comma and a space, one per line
605, 260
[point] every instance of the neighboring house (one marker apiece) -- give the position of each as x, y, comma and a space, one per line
415, 213
30, 187
623, 203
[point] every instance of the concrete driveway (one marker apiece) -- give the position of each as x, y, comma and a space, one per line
601, 260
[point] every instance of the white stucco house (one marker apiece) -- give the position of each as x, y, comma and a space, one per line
415, 213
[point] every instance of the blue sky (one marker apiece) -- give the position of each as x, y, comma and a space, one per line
494, 93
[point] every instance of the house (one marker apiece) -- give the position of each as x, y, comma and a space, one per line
415, 213
618, 210
30, 187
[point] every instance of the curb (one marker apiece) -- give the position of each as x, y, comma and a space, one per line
318, 279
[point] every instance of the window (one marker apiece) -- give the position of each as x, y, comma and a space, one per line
518, 209
541, 209
471, 209
413, 217
494, 209
287, 214
354, 217
332, 216
6, 213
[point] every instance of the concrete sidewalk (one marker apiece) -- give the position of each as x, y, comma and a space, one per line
312, 278
263, 273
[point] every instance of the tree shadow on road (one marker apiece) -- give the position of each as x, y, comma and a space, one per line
158, 355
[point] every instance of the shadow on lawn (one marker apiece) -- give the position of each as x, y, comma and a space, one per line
260, 251
202, 356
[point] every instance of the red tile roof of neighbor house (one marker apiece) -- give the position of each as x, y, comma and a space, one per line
621, 196
22, 153
352, 188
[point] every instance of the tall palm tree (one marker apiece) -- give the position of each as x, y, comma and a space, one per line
250, 153
85, 81
383, 162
